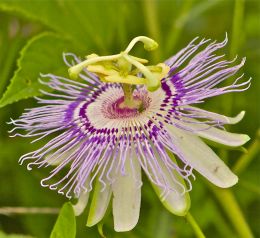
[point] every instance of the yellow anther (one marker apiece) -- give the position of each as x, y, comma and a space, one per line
101, 70
160, 71
129, 79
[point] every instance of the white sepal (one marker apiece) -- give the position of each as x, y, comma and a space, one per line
99, 203
177, 201
80, 206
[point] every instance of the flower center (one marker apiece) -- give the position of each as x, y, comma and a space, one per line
118, 110
107, 109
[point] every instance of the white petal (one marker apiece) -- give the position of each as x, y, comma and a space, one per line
217, 135
177, 202
127, 196
218, 117
202, 158
99, 203
81, 204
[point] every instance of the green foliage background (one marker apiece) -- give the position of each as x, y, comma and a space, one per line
33, 35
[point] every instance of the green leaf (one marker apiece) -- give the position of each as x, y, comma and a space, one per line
83, 22
65, 226
42, 54
10, 45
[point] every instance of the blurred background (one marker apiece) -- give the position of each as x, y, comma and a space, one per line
33, 35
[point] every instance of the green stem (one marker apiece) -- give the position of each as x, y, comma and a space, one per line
235, 43
128, 94
178, 25
237, 33
223, 227
253, 188
231, 208
237, 29
245, 159
8, 211
151, 17
198, 232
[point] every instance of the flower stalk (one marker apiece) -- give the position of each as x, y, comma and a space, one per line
232, 210
196, 228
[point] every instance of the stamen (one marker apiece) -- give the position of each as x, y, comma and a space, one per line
152, 82
76, 69
125, 69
